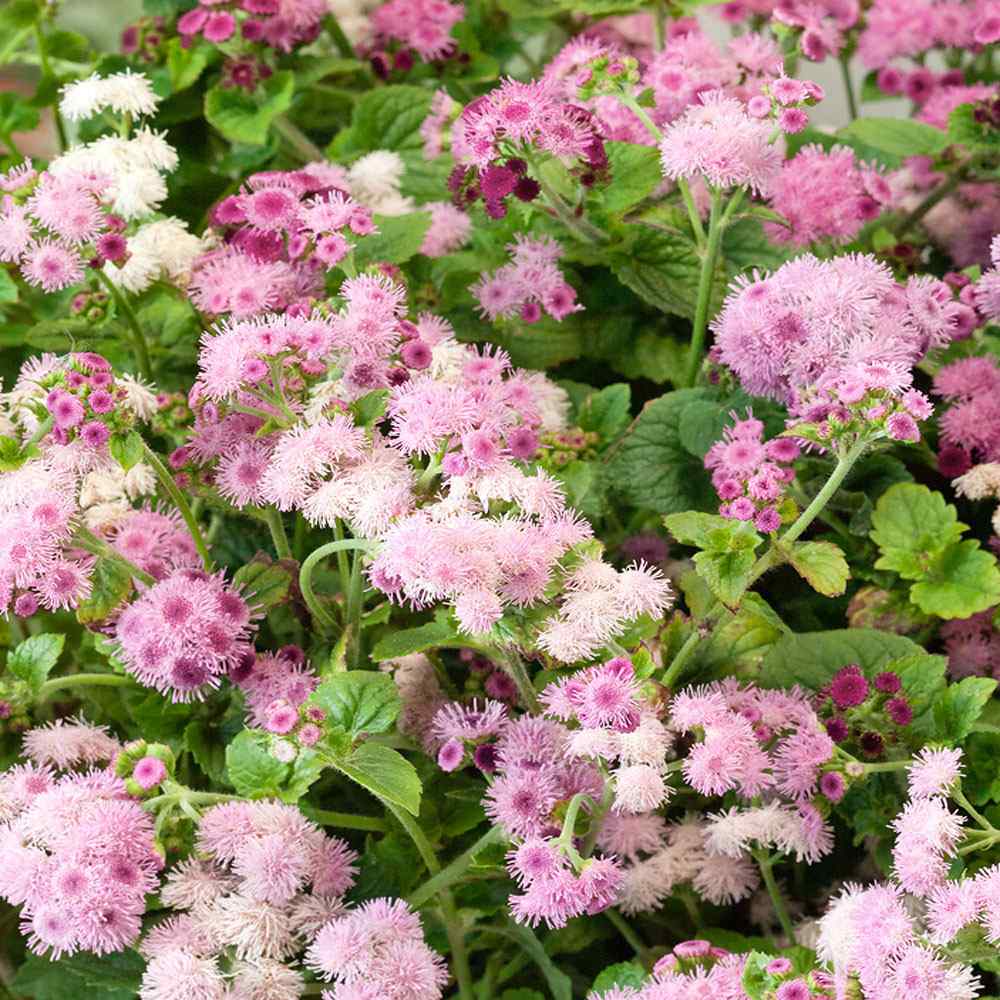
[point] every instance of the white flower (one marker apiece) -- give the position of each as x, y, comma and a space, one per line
155, 149
980, 482
160, 249
124, 93
639, 788
376, 175
141, 399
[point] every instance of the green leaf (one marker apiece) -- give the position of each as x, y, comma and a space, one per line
923, 679
187, 64
32, 660
126, 449
99, 977
966, 131
661, 268
584, 487
982, 780
208, 750
620, 974
728, 550
110, 586
414, 640
607, 412
898, 136
359, 701
263, 584
253, 772
957, 709
16, 115
651, 356
910, 523
384, 772
18, 14
370, 408
812, 658
959, 582
823, 565
652, 469
8, 288
635, 175
398, 239
385, 118
246, 118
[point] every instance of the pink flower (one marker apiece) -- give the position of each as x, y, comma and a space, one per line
52, 266
149, 772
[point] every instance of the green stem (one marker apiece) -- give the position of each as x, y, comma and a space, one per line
83, 680
685, 653
98, 547
41, 430
659, 25
354, 607
718, 221
449, 912
518, 672
578, 226
454, 871
845, 74
938, 194
177, 795
887, 765
766, 864
305, 575
306, 149
959, 796
43, 58
345, 821
128, 313
178, 500
343, 563
277, 528
341, 40
626, 930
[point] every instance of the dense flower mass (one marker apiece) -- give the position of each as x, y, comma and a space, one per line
501, 501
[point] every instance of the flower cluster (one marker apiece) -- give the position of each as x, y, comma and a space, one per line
280, 234
972, 645
836, 341
718, 141
78, 854
423, 26
281, 24
530, 284
824, 195
377, 950
265, 881
185, 633
970, 426
498, 134
749, 475
276, 686
864, 716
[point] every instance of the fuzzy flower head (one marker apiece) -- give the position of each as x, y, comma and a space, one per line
719, 142
184, 633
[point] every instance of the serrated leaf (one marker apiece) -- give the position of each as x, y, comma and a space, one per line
822, 564
620, 974
959, 582
414, 640
126, 449
99, 977
812, 658
398, 239
584, 487
252, 771
661, 268
208, 750
385, 118
384, 772
263, 584
923, 679
909, 524
960, 705
635, 174
110, 586
606, 412
32, 660
652, 469
359, 701
246, 118
897, 136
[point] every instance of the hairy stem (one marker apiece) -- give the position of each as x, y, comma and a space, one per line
278, 535
179, 501
128, 314
626, 930
845, 75
518, 672
959, 176
449, 912
84, 680
456, 869
303, 146
345, 821
86, 539
316, 609
766, 864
